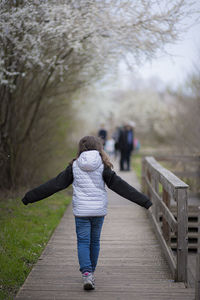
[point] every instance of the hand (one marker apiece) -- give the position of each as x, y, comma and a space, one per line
24, 200
150, 209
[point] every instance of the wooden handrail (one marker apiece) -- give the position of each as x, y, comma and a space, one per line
153, 175
197, 283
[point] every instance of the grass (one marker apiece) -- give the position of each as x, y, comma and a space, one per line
24, 232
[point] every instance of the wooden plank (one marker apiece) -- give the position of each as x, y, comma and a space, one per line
165, 225
108, 295
148, 176
192, 246
197, 281
182, 234
156, 189
143, 176
193, 235
154, 184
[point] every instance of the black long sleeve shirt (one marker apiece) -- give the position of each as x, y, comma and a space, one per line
65, 178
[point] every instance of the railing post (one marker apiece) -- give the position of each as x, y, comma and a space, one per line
166, 228
197, 283
148, 189
155, 206
181, 197
157, 210
143, 175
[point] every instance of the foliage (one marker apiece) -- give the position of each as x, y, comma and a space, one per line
24, 232
49, 49
186, 137
42, 35
146, 106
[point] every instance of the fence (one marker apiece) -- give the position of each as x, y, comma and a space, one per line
161, 185
197, 283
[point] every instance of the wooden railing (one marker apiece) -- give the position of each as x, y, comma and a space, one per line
197, 283
162, 186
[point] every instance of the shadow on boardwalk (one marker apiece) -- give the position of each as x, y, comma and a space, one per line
131, 265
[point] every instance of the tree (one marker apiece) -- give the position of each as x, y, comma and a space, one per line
186, 137
55, 47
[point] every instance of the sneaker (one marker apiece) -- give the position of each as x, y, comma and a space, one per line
88, 281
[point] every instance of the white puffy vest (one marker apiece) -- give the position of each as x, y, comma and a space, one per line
89, 194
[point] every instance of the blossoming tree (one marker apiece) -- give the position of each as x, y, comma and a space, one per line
54, 46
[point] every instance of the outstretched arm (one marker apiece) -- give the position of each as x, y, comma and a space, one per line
121, 187
60, 182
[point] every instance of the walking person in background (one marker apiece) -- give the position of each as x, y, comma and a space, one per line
102, 133
126, 146
88, 173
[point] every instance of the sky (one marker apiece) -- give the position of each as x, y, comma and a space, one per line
173, 69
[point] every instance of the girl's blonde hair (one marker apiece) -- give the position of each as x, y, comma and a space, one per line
88, 143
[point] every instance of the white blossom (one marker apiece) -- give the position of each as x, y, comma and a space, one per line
36, 34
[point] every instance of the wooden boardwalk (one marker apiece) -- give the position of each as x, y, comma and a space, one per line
131, 265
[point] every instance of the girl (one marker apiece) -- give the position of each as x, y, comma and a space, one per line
88, 173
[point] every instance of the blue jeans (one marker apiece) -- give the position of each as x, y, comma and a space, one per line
88, 230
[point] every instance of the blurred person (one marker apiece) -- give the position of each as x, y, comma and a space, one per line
115, 136
102, 133
136, 145
110, 146
126, 146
